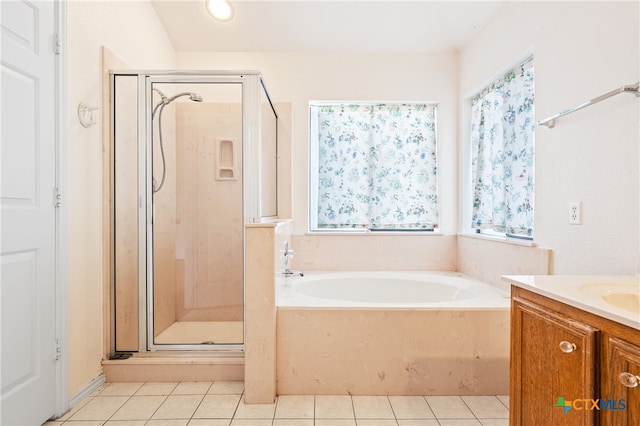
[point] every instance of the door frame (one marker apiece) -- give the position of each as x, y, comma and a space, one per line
146, 79
61, 247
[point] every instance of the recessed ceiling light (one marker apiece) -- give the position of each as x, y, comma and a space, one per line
220, 9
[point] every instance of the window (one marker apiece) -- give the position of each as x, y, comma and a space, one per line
373, 166
502, 157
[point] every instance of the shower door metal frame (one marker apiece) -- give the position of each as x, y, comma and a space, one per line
251, 85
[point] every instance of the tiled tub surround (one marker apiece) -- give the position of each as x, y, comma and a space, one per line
441, 349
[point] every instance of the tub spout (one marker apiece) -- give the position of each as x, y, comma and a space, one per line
289, 273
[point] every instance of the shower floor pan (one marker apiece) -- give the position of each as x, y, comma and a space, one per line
202, 332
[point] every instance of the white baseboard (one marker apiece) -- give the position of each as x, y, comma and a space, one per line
86, 391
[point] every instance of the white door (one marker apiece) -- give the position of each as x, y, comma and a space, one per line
28, 171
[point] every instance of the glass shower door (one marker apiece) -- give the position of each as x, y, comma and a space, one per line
194, 158
197, 215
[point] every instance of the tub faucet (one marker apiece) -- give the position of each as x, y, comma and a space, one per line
289, 273
287, 254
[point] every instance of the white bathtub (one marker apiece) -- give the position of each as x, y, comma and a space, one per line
391, 333
381, 289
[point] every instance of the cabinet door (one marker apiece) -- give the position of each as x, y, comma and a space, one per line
623, 360
552, 360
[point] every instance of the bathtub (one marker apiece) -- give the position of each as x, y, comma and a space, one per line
391, 333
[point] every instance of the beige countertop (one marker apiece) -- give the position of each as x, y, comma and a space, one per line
615, 297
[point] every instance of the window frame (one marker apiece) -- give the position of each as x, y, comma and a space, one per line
468, 193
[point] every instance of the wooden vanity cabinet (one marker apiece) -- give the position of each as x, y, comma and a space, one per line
558, 350
552, 356
621, 358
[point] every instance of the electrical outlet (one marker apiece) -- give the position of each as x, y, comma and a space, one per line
575, 213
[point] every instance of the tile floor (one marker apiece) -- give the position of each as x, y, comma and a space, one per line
222, 404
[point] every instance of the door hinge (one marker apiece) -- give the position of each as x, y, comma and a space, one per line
58, 350
57, 44
57, 197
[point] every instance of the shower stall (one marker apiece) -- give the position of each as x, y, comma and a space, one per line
193, 159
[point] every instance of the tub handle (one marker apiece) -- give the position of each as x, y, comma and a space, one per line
567, 347
629, 380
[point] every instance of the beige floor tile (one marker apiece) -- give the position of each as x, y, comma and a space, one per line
335, 422
295, 407
169, 422
178, 407
217, 407
221, 404
494, 422
449, 407
293, 422
486, 407
209, 422
99, 389
410, 407
251, 422
226, 388
191, 388
334, 407
255, 411
121, 389
157, 388
75, 409
100, 408
504, 399
372, 407
138, 408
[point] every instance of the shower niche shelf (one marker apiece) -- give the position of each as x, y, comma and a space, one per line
226, 159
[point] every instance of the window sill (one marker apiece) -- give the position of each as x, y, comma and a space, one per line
368, 232
499, 239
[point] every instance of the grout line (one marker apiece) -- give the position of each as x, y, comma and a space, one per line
392, 410
469, 408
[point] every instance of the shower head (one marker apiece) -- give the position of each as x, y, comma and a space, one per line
193, 96
164, 101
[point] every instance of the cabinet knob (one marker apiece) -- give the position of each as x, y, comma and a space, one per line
629, 380
567, 347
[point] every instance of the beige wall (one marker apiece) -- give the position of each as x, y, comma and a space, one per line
301, 77
132, 31
582, 50
209, 214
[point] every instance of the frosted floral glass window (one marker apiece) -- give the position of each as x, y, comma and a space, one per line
502, 142
373, 166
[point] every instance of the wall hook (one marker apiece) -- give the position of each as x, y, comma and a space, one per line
87, 114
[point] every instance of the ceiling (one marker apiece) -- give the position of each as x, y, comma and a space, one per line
365, 26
